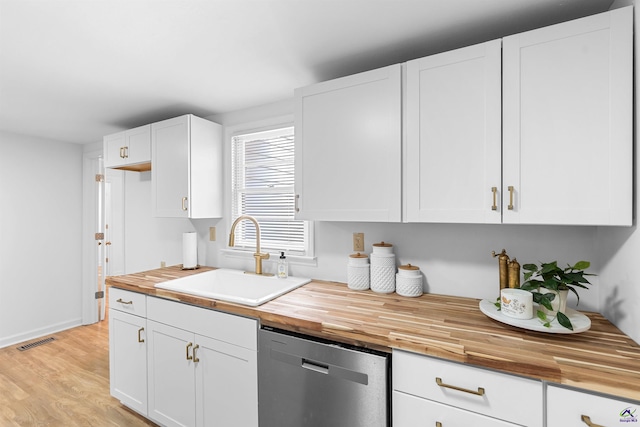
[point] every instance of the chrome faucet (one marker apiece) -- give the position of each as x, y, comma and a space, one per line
257, 255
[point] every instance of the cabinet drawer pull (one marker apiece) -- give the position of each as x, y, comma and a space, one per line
511, 190
189, 357
122, 152
126, 152
184, 203
585, 419
195, 358
296, 203
140, 339
120, 300
494, 190
480, 391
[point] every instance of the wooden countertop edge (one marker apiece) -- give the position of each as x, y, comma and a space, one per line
558, 366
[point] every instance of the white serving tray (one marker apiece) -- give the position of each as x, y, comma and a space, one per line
579, 321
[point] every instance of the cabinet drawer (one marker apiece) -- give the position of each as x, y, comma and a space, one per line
240, 331
412, 411
514, 399
566, 408
127, 301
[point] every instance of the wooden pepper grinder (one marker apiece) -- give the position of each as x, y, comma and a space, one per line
503, 261
509, 270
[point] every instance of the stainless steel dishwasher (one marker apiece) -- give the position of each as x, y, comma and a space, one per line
307, 382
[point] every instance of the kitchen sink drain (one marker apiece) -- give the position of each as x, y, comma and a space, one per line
35, 344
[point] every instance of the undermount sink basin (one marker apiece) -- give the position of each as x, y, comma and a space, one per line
234, 286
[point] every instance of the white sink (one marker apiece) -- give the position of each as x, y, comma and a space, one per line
234, 286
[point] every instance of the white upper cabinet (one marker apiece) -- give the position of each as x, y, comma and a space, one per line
129, 149
348, 148
567, 116
452, 151
186, 178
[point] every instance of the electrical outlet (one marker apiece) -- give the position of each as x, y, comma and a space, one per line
358, 242
212, 234
163, 264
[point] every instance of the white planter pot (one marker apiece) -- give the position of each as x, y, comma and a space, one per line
559, 303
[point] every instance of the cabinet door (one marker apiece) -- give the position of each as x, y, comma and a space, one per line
453, 139
567, 116
128, 359
412, 411
347, 149
114, 146
170, 171
226, 384
567, 408
171, 385
138, 143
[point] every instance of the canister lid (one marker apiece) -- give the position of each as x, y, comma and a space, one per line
358, 255
382, 245
408, 267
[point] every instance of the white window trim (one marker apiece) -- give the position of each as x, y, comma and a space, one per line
309, 259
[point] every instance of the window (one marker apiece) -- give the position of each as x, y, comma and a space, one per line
262, 180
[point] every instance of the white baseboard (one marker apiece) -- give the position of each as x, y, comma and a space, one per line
38, 333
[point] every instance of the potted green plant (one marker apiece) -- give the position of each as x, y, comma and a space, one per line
548, 282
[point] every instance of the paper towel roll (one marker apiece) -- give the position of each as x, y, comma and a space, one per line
189, 250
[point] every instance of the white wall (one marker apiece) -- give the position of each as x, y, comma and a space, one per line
619, 253
150, 240
40, 237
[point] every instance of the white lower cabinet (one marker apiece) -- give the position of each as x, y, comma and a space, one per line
428, 391
128, 349
567, 408
202, 366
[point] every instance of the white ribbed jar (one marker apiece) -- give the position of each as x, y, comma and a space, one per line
383, 268
409, 281
358, 272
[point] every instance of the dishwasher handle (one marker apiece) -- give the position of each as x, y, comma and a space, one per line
315, 366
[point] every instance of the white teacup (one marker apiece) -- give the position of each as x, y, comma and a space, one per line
516, 303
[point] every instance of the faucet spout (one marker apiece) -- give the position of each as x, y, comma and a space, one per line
259, 256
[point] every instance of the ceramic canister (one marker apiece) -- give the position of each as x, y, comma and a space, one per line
383, 268
358, 272
409, 281
516, 303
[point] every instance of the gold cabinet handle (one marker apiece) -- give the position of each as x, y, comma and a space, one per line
121, 301
480, 391
585, 419
511, 190
296, 203
140, 339
189, 357
184, 203
494, 190
195, 358
126, 152
122, 152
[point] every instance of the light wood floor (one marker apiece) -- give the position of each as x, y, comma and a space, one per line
62, 383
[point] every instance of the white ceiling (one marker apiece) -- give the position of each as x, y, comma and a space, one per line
75, 70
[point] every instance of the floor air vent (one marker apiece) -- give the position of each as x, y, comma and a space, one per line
36, 343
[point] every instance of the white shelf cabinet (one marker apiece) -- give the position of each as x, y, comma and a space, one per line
453, 136
348, 148
202, 367
568, 408
186, 177
128, 349
470, 395
128, 150
567, 94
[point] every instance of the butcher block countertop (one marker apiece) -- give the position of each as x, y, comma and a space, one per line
602, 359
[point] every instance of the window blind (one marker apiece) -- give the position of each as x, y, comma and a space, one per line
263, 187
